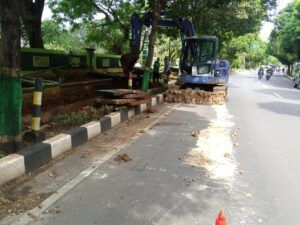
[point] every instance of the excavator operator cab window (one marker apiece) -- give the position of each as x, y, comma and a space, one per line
189, 55
206, 51
197, 52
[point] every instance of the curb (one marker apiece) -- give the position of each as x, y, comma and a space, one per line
288, 77
37, 155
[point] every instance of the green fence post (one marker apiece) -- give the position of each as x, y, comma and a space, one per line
91, 54
146, 78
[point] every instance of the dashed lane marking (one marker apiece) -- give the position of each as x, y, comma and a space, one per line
277, 95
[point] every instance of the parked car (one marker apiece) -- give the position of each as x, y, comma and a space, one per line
296, 81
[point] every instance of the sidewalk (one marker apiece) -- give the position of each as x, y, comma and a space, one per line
33, 188
155, 187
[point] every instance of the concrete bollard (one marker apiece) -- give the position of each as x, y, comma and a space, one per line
35, 135
37, 103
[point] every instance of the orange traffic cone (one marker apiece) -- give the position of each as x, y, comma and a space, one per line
221, 220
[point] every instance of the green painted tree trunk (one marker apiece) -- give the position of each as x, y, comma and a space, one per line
10, 80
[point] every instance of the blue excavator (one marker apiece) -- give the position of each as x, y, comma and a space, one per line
198, 67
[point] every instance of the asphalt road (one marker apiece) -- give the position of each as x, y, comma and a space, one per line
245, 160
269, 114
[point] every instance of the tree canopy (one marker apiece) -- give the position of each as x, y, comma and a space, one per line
109, 20
247, 51
285, 38
225, 19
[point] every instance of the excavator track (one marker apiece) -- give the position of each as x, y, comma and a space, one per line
217, 95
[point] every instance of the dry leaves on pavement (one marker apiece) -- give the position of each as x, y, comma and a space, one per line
123, 158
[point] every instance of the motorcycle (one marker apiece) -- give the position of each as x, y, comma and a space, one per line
269, 74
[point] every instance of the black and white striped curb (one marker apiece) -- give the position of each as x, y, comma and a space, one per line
35, 156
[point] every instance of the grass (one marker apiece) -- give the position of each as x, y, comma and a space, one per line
81, 116
2, 154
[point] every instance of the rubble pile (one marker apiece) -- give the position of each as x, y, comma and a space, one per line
190, 96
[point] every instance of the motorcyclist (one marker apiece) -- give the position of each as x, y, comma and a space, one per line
270, 71
260, 72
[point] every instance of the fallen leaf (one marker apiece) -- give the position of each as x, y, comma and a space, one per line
123, 158
227, 155
150, 111
32, 215
248, 195
55, 210
53, 174
196, 133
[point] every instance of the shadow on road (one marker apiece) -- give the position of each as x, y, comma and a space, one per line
287, 94
282, 108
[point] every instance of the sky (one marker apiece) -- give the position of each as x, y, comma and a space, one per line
267, 27
265, 31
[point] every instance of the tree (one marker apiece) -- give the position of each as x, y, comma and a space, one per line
105, 17
110, 27
168, 46
247, 51
225, 19
57, 37
10, 80
156, 6
32, 11
285, 38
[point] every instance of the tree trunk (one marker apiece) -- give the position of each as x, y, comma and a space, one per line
32, 18
289, 70
10, 80
152, 36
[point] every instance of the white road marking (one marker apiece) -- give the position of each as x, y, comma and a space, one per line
277, 95
34, 213
265, 86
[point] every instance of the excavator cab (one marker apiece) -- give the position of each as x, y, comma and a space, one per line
198, 64
197, 54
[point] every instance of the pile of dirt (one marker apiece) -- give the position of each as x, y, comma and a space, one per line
190, 96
